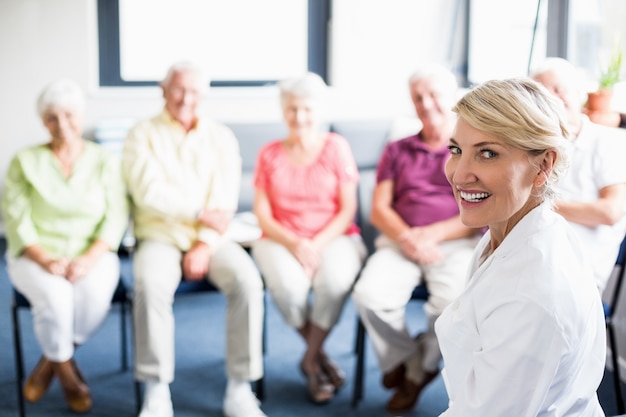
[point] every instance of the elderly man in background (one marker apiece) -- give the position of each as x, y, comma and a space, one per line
422, 241
592, 195
183, 172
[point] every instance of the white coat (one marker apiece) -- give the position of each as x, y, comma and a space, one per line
527, 337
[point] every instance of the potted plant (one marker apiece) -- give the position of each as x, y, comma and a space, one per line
600, 100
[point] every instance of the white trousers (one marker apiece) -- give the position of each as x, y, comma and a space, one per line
385, 287
290, 287
157, 270
65, 314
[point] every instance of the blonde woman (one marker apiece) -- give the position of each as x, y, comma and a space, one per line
527, 336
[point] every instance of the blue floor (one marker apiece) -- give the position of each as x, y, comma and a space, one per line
199, 385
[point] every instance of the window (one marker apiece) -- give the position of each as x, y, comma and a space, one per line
239, 42
505, 38
364, 48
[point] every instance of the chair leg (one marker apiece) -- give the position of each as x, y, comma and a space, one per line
259, 388
259, 385
359, 371
19, 360
138, 397
123, 337
617, 380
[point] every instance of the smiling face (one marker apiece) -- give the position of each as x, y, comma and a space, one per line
301, 115
432, 100
494, 183
182, 94
63, 123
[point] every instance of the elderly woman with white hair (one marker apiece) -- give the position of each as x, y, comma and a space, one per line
305, 201
65, 211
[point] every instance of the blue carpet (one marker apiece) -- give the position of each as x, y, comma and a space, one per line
200, 381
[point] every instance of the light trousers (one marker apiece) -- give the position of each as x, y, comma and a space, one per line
290, 286
65, 314
158, 271
385, 287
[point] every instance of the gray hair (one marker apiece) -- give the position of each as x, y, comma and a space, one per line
63, 93
309, 85
439, 72
183, 66
523, 114
565, 71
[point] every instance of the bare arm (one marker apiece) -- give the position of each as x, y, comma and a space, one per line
342, 220
383, 216
608, 209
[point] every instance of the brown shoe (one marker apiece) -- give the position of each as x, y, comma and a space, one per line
395, 377
38, 381
406, 396
76, 392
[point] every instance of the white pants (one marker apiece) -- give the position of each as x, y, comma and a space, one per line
290, 286
385, 287
65, 314
157, 270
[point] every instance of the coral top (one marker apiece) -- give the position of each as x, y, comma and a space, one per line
305, 198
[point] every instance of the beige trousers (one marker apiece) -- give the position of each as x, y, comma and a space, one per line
385, 287
65, 314
157, 270
290, 286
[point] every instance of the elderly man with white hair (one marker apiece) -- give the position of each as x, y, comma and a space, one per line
592, 196
183, 173
422, 241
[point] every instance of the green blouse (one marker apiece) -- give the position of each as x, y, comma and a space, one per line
64, 215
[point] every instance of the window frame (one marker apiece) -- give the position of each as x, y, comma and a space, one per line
319, 23
109, 47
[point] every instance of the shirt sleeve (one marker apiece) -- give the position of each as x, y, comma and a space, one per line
261, 168
226, 185
16, 209
521, 350
347, 171
384, 170
148, 186
112, 227
609, 167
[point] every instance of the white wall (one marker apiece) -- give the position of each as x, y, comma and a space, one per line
42, 40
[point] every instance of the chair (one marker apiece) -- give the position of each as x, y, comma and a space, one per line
420, 293
609, 313
120, 298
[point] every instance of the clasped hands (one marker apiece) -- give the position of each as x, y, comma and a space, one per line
72, 270
419, 247
307, 253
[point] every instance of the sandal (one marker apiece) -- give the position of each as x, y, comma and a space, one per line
321, 390
336, 375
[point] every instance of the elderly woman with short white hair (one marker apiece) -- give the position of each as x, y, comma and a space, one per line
65, 211
305, 200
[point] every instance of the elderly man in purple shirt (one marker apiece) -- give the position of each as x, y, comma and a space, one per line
422, 241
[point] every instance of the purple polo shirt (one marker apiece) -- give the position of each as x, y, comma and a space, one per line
421, 193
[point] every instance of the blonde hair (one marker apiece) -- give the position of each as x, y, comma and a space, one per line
523, 114
63, 93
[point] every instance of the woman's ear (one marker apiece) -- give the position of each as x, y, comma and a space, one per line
546, 164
